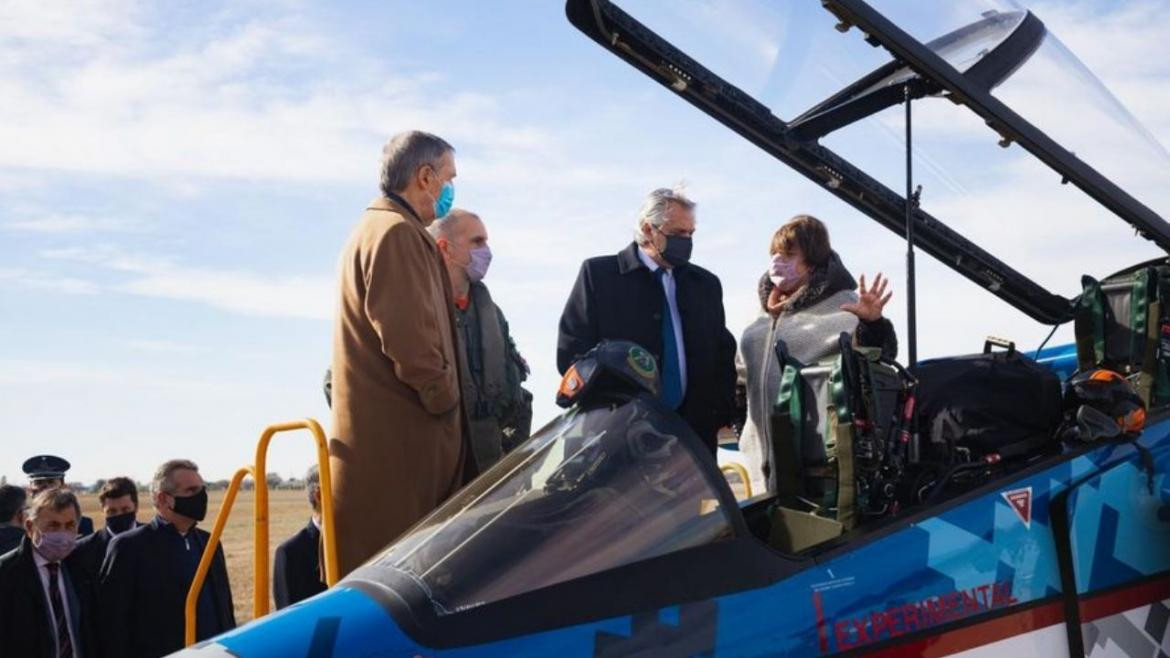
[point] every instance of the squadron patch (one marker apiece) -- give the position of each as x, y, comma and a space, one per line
642, 362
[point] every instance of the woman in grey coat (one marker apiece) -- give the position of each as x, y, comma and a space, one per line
807, 299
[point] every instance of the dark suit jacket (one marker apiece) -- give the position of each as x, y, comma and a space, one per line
26, 622
143, 590
297, 571
87, 561
10, 538
618, 298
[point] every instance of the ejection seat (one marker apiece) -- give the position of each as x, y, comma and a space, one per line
831, 467
1122, 323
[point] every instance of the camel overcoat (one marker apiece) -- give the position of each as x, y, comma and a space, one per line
397, 450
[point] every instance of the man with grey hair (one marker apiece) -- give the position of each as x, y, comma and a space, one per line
650, 293
142, 588
399, 447
43, 613
499, 410
296, 572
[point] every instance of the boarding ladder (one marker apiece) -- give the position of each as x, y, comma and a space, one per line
260, 577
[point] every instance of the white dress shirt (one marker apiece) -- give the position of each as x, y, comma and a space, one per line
668, 284
43, 572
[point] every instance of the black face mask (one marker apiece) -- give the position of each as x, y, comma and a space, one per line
193, 506
678, 250
121, 522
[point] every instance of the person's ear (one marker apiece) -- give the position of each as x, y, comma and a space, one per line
444, 246
28, 525
648, 233
426, 175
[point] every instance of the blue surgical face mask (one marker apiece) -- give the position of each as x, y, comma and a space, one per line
446, 200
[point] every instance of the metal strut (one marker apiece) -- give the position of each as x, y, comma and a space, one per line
912, 200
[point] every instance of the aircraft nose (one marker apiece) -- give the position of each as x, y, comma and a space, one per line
340, 622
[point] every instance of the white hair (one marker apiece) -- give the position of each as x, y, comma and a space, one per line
653, 212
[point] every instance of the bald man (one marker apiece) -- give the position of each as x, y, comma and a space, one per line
498, 407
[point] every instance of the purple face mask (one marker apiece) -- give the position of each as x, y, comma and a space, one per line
481, 259
56, 546
783, 272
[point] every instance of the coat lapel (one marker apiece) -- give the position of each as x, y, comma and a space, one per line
74, 605
36, 591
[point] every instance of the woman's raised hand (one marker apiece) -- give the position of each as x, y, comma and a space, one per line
870, 301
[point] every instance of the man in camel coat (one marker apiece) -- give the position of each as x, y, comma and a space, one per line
399, 447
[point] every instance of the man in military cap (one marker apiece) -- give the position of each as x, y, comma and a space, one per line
48, 472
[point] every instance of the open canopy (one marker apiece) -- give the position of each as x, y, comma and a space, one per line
823, 101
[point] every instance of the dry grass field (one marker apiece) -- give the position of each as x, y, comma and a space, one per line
288, 511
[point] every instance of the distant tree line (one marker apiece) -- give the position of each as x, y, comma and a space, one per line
275, 481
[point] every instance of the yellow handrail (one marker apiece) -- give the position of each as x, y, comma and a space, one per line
328, 531
739, 470
225, 509
260, 531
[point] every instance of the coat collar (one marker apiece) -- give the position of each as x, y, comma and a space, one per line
395, 203
163, 525
628, 259
25, 551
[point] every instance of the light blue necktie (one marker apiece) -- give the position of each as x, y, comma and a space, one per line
671, 376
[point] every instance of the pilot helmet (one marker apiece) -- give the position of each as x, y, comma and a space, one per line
1110, 393
612, 372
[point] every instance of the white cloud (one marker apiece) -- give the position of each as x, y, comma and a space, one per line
242, 292
163, 346
63, 224
229, 106
48, 282
24, 372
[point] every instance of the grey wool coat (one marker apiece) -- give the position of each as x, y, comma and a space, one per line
810, 326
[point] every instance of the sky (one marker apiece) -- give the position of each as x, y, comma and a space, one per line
177, 181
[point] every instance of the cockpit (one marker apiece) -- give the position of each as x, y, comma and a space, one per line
594, 490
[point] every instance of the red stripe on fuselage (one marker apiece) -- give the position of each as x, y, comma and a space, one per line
980, 633
1032, 619
1112, 603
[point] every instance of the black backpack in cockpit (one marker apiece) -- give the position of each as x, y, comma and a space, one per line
979, 410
